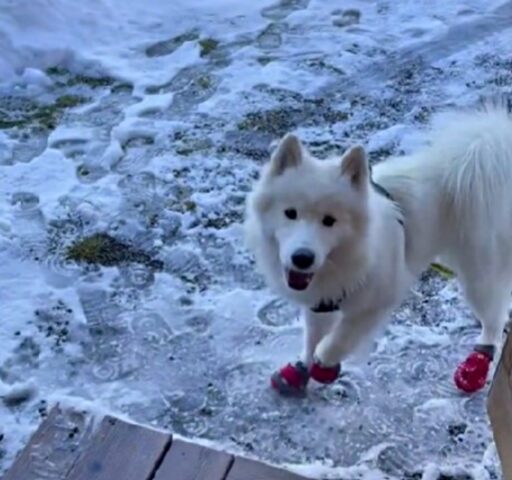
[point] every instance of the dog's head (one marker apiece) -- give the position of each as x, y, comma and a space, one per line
309, 212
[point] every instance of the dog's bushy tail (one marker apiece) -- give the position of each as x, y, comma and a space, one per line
474, 152
498, 101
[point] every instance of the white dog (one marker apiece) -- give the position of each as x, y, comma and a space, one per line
347, 247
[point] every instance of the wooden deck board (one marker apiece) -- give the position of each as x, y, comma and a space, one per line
121, 451
187, 461
244, 469
499, 407
65, 447
53, 448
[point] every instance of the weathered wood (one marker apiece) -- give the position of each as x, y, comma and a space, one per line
53, 448
65, 447
244, 469
499, 407
120, 450
187, 461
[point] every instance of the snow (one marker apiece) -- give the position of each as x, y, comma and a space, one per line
170, 109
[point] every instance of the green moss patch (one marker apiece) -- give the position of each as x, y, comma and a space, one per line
102, 249
66, 78
25, 113
207, 45
93, 82
442, 270
69, 101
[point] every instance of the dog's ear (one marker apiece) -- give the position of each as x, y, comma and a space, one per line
287, 154
354, 165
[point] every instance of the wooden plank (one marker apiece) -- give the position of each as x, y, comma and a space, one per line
187, 461
65, 447
120, 450
245, 469
499, 408
53, 448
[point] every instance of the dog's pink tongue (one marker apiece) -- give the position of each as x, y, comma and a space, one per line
298, 280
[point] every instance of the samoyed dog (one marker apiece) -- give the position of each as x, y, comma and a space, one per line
346, 244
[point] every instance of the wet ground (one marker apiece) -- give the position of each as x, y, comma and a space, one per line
142, 297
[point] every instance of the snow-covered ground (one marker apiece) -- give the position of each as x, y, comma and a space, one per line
147, 121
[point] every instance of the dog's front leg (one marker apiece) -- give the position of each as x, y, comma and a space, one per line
345, 337
293, 378
316, 327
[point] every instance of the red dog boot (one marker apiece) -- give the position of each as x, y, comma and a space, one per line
324, 374
291, 380
471, 374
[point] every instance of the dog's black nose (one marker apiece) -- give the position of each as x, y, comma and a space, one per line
303, 258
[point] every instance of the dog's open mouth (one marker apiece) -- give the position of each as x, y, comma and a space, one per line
298, 280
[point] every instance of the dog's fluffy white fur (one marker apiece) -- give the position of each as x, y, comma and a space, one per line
452, 202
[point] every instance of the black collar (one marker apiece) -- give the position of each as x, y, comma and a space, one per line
327, 306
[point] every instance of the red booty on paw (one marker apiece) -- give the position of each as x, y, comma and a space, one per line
324, 374
291, 379
471, 374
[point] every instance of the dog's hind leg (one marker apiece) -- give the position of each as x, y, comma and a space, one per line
488, 294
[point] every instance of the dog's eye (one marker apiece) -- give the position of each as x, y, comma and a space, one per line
328, 221
291, 213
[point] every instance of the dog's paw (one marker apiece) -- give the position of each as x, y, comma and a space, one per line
471, 374
324, 374
291, 380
